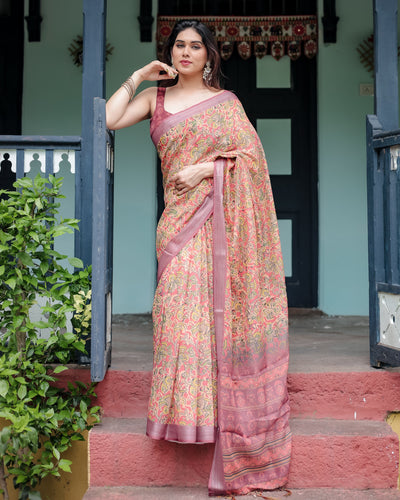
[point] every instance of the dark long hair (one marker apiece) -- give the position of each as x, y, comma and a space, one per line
207, 38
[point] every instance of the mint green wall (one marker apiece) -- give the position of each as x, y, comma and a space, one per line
343, 266
135, 172
52, 89
52, 105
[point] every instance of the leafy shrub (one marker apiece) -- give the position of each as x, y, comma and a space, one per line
42, 419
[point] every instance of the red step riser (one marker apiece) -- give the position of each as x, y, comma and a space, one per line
126, 460
347, 396
333, 461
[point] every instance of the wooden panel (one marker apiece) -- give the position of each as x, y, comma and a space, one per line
103, 174
386, 76
383, 184
93, 85
383, 238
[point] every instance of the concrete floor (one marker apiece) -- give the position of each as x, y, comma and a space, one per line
318, 343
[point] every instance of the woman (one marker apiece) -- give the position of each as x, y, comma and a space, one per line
220, 312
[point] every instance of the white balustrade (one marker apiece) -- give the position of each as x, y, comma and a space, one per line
64, 160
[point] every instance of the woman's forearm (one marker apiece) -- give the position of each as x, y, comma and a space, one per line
120, 111
207, 169
118, 102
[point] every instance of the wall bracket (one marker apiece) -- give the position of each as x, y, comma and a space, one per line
33, 21
145, 21
329, 21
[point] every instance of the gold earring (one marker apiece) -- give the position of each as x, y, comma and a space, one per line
207, 72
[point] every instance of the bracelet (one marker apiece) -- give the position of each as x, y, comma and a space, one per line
130, 87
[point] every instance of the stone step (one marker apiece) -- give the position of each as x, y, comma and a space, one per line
342, 395
369, 395
176, 493
326, 453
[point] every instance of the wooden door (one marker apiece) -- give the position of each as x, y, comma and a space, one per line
285, 118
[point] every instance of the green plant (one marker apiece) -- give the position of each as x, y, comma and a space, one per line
42, 419
82, 302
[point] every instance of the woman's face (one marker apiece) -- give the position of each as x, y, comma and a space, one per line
189, 54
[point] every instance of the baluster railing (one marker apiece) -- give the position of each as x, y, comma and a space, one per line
21, 155
46, 155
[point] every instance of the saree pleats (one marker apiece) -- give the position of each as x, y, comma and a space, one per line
221, 376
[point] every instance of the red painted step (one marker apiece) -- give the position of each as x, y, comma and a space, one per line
326, 453
350, 396
176, 493
342, 395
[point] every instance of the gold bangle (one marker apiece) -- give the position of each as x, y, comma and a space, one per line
132, 81
130, 87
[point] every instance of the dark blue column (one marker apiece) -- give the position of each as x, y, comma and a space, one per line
386, 78
93, 85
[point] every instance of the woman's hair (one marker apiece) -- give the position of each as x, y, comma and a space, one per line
207, 38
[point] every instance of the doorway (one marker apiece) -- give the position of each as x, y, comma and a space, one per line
280, 99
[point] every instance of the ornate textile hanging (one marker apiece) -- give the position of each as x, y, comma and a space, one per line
273, 35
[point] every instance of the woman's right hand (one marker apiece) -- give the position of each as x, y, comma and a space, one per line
154, 71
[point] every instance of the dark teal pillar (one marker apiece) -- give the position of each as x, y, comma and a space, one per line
93, 85
386, 76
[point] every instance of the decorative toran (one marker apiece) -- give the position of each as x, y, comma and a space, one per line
277, 35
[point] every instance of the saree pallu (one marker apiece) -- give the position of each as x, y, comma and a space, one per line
220, 310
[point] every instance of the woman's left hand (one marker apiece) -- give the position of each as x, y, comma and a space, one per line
191, 175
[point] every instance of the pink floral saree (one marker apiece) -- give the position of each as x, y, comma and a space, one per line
220, 311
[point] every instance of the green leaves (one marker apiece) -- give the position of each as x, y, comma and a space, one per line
20, 423
36, 408
4, 386
24, 182
11, 282
65, 465
59, 369
43, 419
22, 392
25, 259
75, 262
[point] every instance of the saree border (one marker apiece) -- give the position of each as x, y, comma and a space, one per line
216, 484
174, 118
188, 434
